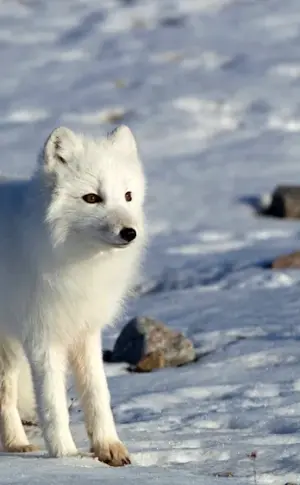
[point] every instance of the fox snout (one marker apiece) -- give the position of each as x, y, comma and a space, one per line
120, 227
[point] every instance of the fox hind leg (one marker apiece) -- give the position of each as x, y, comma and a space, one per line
13, 437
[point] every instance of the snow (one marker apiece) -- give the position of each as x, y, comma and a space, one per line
211, 89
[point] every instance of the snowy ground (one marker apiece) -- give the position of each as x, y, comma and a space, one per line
211, 88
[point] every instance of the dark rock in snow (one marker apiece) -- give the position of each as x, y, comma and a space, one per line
224, 474
149, 344
287, 261
284, 203
173, 21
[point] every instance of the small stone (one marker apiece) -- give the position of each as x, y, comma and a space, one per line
139, 23
172, 56
120, 83
284, 203
115, 116
149, 344
287, 261
173, 21
224, 474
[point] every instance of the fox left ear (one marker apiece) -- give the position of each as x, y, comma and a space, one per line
59, 148
123, 137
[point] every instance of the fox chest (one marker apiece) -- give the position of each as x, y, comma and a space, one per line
92, 298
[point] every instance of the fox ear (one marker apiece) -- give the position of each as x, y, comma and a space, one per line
124, 139
59, 148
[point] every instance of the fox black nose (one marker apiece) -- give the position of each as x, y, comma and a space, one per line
128, 234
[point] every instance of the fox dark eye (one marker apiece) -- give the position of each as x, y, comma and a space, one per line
128, 196
92, 198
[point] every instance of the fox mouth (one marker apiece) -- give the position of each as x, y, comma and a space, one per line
120, 245
116, 244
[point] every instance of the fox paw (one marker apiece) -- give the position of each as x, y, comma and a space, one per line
113, 454
21, 448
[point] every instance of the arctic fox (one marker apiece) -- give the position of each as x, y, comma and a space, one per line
70, 246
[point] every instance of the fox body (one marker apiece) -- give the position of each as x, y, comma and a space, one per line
70, 247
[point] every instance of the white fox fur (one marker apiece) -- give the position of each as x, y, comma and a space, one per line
65, 271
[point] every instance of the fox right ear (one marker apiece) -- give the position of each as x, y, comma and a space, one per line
59, 148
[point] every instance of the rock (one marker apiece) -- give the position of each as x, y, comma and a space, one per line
223, 474
117, 115
153, 360
148, 344
283, 203
287, 261
173, 21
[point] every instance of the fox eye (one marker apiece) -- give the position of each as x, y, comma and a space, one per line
128, 196
92, 198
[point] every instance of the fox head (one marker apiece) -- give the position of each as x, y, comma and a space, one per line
97, 189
